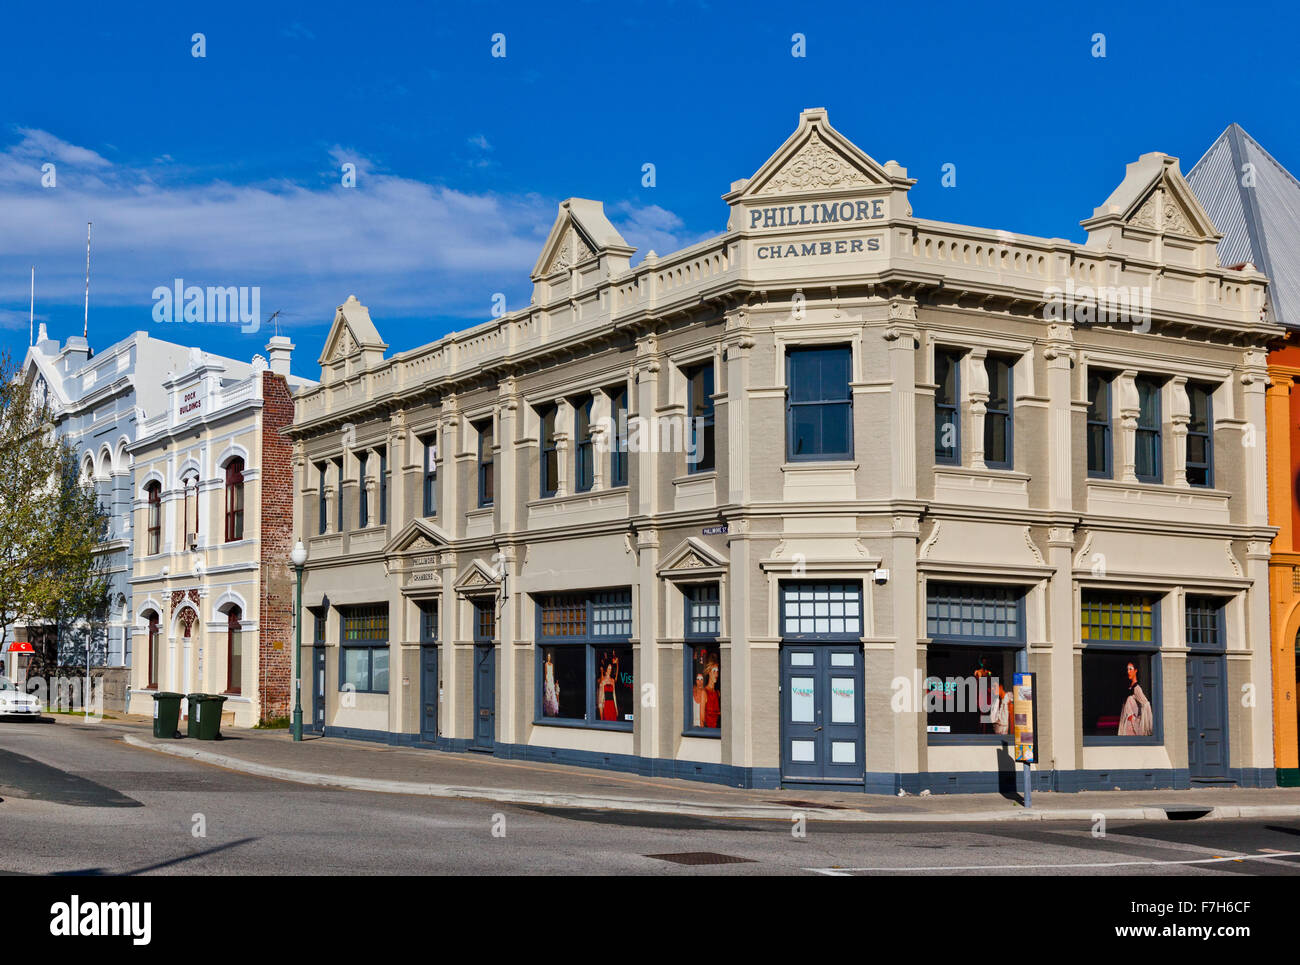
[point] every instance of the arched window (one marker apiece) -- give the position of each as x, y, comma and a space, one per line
234, 500
234, 651
154, 491
153, 647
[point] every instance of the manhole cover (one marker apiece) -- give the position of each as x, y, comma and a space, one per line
701, 857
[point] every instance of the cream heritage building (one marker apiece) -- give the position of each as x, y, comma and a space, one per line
211, 578
791, 506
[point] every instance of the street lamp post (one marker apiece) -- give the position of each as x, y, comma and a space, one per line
298, 557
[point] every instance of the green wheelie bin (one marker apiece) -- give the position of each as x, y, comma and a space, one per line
192, 730
205, 716
166, 714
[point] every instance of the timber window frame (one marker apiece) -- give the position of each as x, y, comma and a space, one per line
363, 648
947, 405
701, 656
819, 403
970, 624
579, 634
1117, 628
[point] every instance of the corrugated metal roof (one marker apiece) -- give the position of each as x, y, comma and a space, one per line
1255, 203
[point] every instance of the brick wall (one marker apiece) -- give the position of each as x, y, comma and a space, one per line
275, 666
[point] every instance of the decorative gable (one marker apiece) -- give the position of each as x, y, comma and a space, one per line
582, 237
353, 343
818, 162
477, 579
573, 250
1153, 202
692, 557
417, 536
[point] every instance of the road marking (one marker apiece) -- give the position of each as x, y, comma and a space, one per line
844, 872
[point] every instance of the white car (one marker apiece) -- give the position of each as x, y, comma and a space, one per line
14, 701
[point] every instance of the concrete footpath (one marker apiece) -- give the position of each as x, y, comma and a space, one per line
362, 766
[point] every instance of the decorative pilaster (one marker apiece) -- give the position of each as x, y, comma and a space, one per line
977, 378
1180, 414
1126, 390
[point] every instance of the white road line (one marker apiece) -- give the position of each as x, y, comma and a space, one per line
842, 872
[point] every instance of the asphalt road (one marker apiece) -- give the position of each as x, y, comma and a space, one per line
78, 801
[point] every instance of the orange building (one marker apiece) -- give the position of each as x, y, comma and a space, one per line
1255, 202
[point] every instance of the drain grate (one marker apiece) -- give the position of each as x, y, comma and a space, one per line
701, 857
809, 804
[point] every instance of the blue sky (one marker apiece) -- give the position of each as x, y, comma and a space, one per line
226, 169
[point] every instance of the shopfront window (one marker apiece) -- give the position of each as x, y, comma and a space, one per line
824, 611
703, 659
584, 660
364, 651
1121, 667
976, 633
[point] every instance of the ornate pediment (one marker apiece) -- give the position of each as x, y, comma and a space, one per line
580, 234
418, 537
478, 578
572, 250
352, 334
692, 557
816, 167
1163, 212
817, 160
1153, 197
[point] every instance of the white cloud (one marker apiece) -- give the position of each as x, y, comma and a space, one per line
648, 227
403, 246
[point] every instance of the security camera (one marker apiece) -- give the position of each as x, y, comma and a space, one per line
880, 577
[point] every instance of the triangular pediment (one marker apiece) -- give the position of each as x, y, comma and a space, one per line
817, 160
477, 578
580, 235
691, 554
1155, 197
353, 333
417, 536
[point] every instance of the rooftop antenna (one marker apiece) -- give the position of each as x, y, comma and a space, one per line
85, 324
31, 316
274, 315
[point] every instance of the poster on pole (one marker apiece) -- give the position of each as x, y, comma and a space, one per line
1026, 746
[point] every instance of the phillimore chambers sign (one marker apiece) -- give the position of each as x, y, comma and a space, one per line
809, 215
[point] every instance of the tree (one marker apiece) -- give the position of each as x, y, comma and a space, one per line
51, 522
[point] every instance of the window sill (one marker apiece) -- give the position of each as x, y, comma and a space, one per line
696, 477
567, 499
970, 740
1104, 484
715, 734
1124, 741
988, 472
812, 465
479, 511
624, 726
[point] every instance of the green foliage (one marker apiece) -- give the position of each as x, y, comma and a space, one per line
51, 522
